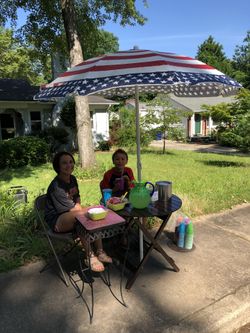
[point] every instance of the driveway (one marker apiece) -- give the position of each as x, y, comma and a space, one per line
200, 147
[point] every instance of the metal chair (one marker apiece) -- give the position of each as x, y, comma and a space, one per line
68, 237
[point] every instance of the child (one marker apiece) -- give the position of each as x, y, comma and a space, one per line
63, 204
119, 177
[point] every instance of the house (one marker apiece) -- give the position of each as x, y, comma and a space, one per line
197, 124
21, 115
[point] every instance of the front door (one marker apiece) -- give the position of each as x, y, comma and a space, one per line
197, 119
7, 126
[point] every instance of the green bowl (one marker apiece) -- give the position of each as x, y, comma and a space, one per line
97, 213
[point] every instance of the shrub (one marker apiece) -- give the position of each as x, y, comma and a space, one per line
104, 145
230, 139
21, 151
55, 137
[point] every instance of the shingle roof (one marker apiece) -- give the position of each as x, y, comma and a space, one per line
16, 90
194, 103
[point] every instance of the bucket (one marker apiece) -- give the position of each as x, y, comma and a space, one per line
164, 189
19, 193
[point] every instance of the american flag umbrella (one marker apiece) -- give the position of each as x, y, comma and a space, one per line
130, 72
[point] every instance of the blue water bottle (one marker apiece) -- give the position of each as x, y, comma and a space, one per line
181, 238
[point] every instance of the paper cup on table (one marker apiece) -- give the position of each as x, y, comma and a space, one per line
107, 194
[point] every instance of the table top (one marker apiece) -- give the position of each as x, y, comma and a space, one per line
156, 208
112, 219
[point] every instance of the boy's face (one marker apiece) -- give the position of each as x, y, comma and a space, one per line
120, 160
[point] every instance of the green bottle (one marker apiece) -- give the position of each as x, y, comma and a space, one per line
189, 238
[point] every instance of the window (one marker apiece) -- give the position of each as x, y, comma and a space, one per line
35, 120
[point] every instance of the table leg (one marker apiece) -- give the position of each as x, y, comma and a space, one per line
154, 245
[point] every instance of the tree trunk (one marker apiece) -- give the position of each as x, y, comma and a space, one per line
83, 121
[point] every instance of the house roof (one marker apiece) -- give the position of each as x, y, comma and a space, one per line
194, 103
189, 103
98, 100
21, 90
17, 90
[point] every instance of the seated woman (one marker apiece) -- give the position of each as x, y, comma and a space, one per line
63, 204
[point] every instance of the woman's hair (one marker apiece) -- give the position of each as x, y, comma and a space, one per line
56, 160
119, 151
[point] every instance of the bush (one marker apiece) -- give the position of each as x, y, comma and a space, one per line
104, 145
21, 151
55, 137
230, 139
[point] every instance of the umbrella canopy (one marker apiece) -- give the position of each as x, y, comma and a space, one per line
131, 72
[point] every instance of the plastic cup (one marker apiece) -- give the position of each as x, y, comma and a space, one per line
120, 181
107, 194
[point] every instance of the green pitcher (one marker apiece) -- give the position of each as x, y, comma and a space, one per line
140, 194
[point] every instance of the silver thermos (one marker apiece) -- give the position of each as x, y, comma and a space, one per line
164, 189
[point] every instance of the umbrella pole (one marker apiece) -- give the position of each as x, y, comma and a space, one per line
138, 150
137, 121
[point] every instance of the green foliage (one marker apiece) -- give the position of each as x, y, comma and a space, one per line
104, 145
211, 53
241, 62
177, 134
90, 173
162, 117
123, 129
17, 61
68, 113
233, 119
21, 151
55, 137
44, 27
229, 139
20, 240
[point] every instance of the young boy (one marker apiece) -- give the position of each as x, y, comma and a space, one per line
119, 177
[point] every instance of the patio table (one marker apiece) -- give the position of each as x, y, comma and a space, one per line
155, 209
112, 225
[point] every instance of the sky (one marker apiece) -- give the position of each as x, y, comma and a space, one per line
180, 26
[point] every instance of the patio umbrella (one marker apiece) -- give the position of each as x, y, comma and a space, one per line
130, 72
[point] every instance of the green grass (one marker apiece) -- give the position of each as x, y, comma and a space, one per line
206, 183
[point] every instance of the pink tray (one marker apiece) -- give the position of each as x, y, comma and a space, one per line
111, 219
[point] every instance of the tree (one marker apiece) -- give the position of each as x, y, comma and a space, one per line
48, 19
162, 117
233, 120
241, 62
18, 62
211, 53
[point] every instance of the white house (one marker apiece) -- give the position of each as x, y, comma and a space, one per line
21, 115
197, 124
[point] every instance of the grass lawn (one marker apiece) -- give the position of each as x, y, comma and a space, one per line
206, 183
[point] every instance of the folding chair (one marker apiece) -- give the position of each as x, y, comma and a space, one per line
68, 237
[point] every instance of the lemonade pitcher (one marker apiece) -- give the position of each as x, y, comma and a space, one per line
140, 194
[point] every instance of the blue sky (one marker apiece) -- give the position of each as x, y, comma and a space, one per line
180, 26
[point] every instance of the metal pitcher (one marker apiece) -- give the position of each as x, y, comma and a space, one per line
164, 189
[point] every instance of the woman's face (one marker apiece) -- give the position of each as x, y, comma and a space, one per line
66, 165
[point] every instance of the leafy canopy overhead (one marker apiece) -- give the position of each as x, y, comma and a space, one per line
45, 23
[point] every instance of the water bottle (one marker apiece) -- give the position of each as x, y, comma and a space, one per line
181, 238
189, 236
179, 220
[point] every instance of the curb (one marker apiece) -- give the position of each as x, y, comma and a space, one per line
223, 316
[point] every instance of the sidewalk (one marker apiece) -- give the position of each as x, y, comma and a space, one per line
211, 293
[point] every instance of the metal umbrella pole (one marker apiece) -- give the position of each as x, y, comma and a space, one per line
138, 152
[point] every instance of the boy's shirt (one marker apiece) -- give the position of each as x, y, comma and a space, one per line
110, 177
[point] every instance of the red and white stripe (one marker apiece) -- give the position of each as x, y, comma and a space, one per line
133, 62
